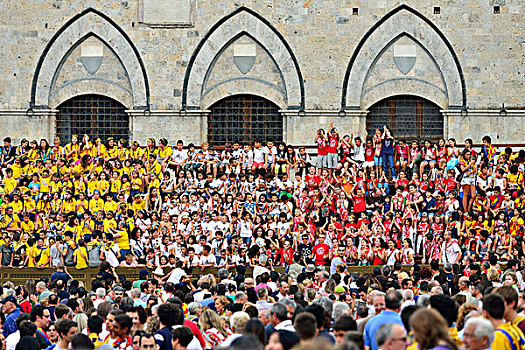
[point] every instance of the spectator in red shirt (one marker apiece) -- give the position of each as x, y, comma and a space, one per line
320, 251
321, 141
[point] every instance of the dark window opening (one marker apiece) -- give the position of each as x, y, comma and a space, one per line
409, 117
92, 115
244, 118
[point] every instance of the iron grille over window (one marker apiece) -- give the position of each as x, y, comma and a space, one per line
408, 117
93, 115
244, 118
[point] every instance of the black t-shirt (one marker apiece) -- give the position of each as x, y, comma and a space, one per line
6, 254
305, 250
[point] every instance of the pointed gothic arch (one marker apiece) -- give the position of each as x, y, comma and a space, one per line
89, 22
404, 20
241, 22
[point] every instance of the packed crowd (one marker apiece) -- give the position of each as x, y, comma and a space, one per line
359, 201
438, 309
282, 229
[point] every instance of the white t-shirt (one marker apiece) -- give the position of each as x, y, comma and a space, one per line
176, 275
206, 260
179, 156
111, 255
271, 153
258, 155
450, 251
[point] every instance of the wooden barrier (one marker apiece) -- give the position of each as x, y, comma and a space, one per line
20, 276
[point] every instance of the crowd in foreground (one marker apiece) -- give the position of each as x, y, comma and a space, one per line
387, 309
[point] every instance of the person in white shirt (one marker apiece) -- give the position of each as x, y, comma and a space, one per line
176, 274
207, 259
270, 150
451, 250
178, 157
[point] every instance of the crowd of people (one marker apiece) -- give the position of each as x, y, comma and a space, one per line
359, 201
388, 309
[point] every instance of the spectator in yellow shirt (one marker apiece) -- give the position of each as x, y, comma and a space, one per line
96, 203
27, 225
80, 256
9, 182
42, 256
11, 221
122, 239
506, 335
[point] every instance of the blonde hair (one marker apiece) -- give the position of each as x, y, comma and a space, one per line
430, 328
463, 311
210, 319
493, 275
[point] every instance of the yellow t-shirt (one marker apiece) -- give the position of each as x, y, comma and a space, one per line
136, 154
111, 206
54, 186
32, 253
80, 186
17, 170
126, 188
69, 206
501, 342
29, 204
44, 184
17, 206
115, 186
82, 206
110, 224
9, 184
27, 226
96, 205
136, 183
82, 257
138, 206
103, 186
92, 185
43, 256
123, 240
11, 222
112, 152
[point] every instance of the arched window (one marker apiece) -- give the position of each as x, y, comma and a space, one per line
409, 117
93, 115
244, 118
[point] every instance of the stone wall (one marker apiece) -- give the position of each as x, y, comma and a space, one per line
314, 55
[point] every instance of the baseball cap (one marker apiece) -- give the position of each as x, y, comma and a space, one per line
9, 298
143, 272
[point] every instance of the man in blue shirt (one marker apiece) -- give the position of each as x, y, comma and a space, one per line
167, 318
11, 310
393, 302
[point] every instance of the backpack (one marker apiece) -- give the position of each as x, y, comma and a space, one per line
68, 259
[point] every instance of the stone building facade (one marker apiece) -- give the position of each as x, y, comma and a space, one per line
170, 63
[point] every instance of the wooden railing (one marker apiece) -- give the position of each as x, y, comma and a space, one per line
20, 276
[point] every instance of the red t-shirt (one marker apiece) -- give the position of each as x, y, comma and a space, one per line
369, 154
321, 146
359, 204
333, 142
319, 251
